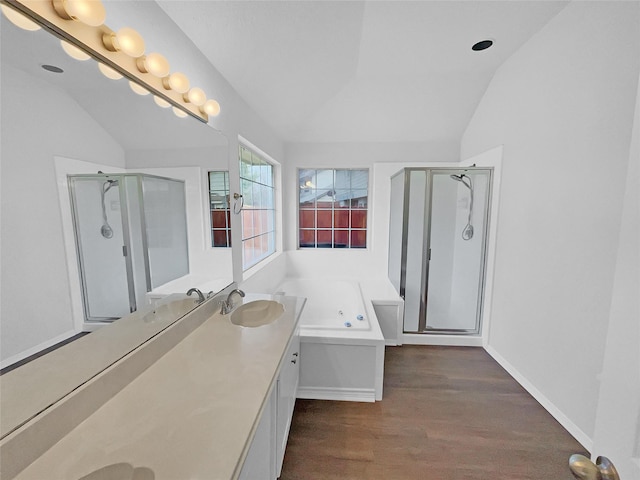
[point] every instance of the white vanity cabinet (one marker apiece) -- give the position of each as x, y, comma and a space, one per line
265, 456
287, 388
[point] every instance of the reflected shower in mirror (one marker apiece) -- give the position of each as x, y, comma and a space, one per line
62, 117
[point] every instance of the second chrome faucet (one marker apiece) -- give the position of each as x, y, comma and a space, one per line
227, 305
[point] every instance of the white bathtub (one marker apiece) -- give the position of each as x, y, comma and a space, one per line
331, 304
342, 346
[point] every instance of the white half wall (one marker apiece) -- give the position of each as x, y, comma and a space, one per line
562, 107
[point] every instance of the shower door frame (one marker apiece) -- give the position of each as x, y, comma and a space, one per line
426, 252
126, 236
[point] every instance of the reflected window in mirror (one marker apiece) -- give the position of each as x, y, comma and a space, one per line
258, 211
219, 207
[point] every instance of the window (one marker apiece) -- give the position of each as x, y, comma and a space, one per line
332, 208
258, 211
220, 213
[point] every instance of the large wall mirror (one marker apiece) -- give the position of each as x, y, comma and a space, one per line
62, 117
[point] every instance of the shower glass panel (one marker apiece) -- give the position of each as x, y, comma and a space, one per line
166, 226
131, 236
99, 232
457, 244
437, 244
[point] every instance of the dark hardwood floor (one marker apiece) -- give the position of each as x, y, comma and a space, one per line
448, 413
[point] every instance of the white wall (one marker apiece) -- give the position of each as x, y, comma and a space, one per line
617, 433
371, 261
562, 106
38, 122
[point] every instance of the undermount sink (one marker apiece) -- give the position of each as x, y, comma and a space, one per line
257, 313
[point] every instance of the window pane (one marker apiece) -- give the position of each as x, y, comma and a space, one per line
219, 219
247, 224
307, 219
271, 221
359, 199
307, 238
246, 188
220, 238
308, 198
324, 180
341, 239
343, 180
358, 238
307, 178
245, 163
358, 219
257, 195
359, 179
343, 198
341, 219
324, 218
324, 238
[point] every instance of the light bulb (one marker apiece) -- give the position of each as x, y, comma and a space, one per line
127, 41
109, 72
178, 113
19, 20
161, 102
138, 89
176, 81
211, 108
196, 96
89, 12
155, 64
74, 52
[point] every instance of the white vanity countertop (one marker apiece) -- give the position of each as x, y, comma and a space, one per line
191, 415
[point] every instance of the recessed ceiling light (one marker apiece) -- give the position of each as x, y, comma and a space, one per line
52, 68
482, 45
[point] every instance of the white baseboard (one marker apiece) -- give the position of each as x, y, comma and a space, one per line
38, 348
446, 340
555, 412
340, 394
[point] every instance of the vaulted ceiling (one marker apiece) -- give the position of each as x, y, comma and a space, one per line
373, 71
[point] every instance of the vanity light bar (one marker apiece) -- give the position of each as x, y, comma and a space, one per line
81, 24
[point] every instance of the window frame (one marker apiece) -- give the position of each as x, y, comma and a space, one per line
348, 228
271, 234
227, 228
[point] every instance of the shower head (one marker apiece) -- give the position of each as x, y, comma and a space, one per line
105, 230
467, 232
462, 178
109, 184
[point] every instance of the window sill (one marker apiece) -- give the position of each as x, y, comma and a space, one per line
248, 273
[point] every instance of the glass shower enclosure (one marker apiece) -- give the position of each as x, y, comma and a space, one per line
437, 247
131, 236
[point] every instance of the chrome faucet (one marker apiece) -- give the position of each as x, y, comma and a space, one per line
227, 305
200, 295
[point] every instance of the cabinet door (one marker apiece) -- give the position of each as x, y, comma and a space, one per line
260, 463
287, 388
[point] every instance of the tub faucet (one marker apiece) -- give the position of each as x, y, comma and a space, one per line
227, 305
200, 295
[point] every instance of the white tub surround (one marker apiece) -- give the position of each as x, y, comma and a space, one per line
192, 414
338, 362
